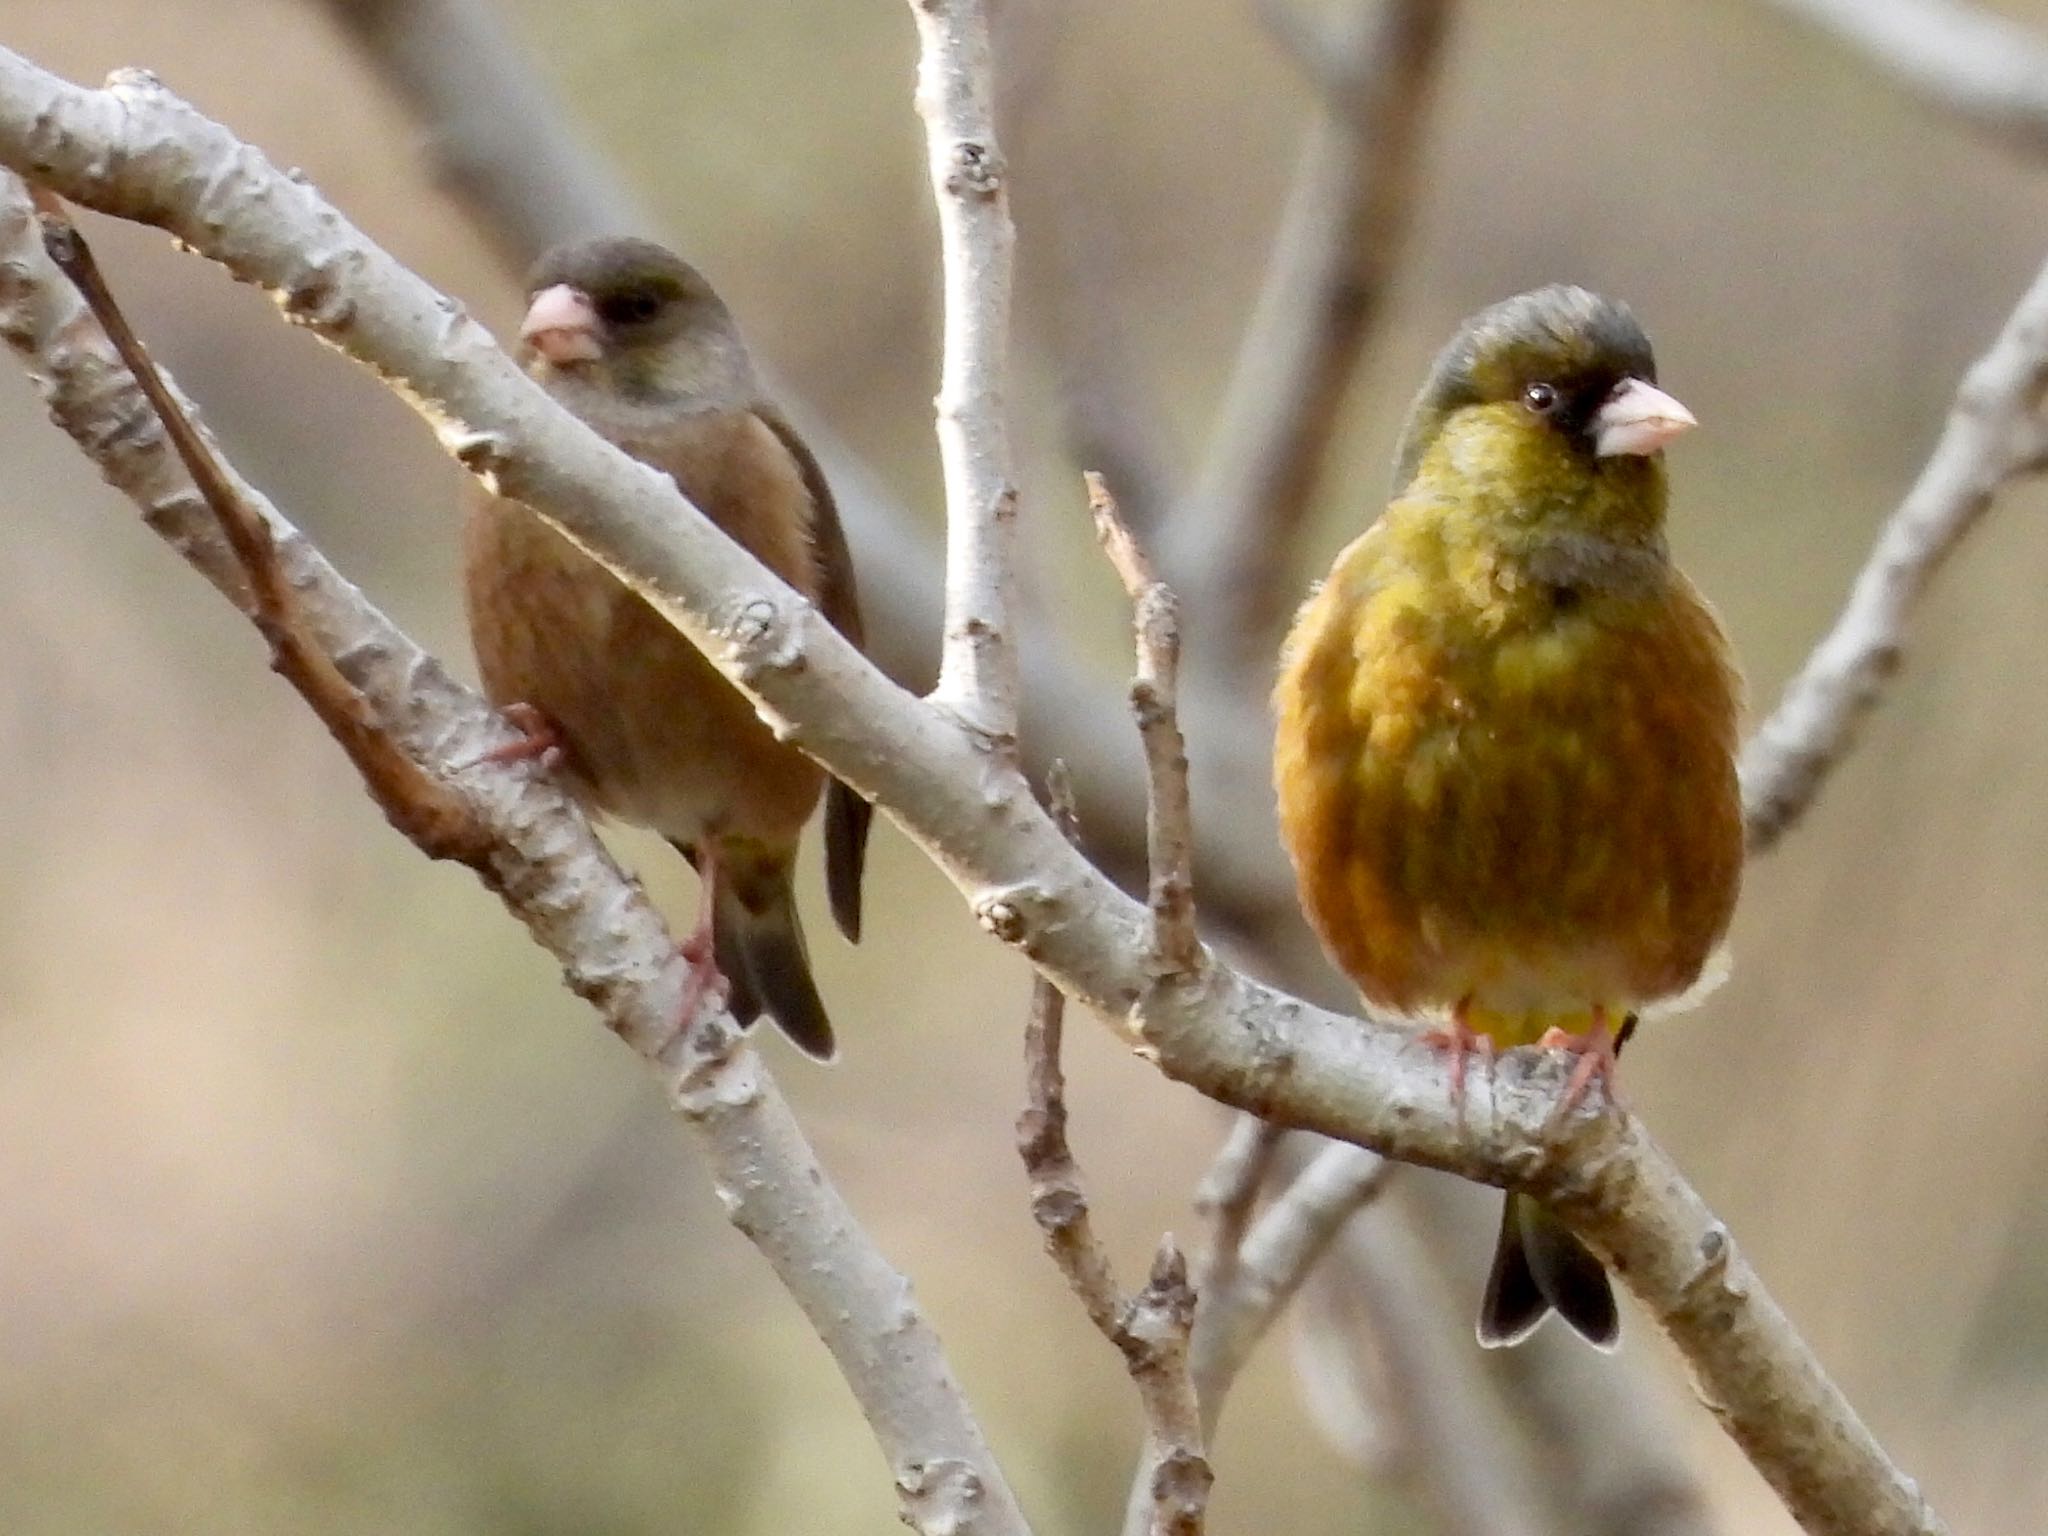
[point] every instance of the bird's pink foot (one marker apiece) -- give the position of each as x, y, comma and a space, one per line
1460, 1043
704, 976
698, 950
1595, 1052
539, 740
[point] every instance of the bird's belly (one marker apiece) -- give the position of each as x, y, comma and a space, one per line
1535, 831
652, 734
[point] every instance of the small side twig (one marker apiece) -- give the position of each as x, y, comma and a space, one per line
419, 805
1058, 1203
1994, 434
1150, 1329
1155, 700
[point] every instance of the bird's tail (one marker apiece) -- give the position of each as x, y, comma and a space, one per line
1538, 1265
758, 942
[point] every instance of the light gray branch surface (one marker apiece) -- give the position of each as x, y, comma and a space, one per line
558, 879
137, 152
956, 99
1955, 56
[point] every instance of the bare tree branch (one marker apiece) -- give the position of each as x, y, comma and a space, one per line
1957, 57
1150, 1329
1994, 433
494, 132
1374, 67
500, 144
956, 99
413, 730
1155, 700
425, 810
137, 152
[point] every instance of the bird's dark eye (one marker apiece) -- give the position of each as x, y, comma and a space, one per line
629, 308
1541, 398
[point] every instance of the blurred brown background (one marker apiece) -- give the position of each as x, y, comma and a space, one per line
324, 1208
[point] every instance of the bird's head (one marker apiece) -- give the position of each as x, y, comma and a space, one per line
1556, 388
631, 316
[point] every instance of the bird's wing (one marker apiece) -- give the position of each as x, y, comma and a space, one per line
847, 815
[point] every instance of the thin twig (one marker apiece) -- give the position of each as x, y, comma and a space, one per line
1172, 1496
956, 99
135, 151
1058, 1203
426, 810
538, 854
1374, 67
1150, 1329
1961, 59
1994, 434
1155, 701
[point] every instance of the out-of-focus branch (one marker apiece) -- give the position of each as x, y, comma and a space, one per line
492, 131
1957, 57
1615, 1459
1278, 1252
1374, 66
956, 99
1460, 1448
1150, 1329
1227, 1193
1112, 421
1995, 433
413, 729
1075, 218
135, 151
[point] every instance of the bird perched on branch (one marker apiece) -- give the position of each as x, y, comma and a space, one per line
635, 342
1507, 733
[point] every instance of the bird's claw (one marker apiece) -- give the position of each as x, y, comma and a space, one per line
1595, 1052
538, 741
1460, 1042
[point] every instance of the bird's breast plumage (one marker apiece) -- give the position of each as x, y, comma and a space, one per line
1507, 780
653, 733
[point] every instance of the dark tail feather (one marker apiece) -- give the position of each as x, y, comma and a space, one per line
759, 945
847, 818
1539, 1265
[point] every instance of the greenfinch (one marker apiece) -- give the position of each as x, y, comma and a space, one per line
633, 340
1507, 730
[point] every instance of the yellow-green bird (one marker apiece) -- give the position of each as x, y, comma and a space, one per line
1507, 732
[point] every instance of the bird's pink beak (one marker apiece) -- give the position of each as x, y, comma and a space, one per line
561, 325
1638, 418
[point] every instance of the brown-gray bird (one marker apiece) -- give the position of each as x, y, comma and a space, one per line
634, 341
